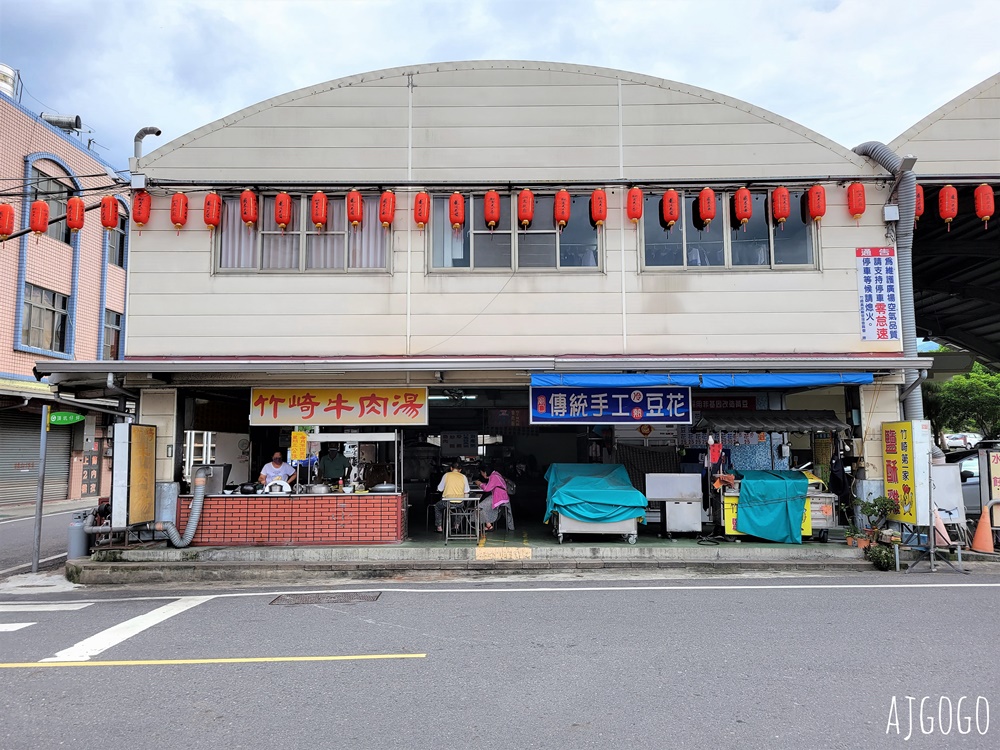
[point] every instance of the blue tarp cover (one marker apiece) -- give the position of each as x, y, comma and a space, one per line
703, 380
772, 504
599, 493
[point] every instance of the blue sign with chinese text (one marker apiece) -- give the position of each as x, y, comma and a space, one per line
612, 405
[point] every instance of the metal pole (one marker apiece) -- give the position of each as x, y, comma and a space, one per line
42, 441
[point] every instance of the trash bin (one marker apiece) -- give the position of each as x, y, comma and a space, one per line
79, 545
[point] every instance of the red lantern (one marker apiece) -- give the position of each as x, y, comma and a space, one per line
781, 205
856, 200
248, 207
319, 209
918, 207
6, 221
671, 211
742, 206
561, 208
421, 209
984, 204
178, 211
816, 202
598, 207
525, 208
39, 220
74, 214
142, 203
633, 205
706, 206
456, 210
109, 213
948, 204
355, 208
491, 208
282, 210
213, 210
387, 208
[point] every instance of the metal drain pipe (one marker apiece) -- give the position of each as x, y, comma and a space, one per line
906, 192
192, 523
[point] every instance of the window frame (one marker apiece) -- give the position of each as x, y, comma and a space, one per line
31, 308
42, 187
114, 326
728, 230
116, 249
338, 202
473, 199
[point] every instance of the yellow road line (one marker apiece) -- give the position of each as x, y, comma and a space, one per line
239, 660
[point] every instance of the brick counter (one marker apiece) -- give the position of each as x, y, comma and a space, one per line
288, 520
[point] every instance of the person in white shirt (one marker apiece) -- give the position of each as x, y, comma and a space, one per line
277, 469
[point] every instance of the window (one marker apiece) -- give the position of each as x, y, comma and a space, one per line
112, 334
43, 323
116, 242
724, 243
301, 247
541, 246
56, 194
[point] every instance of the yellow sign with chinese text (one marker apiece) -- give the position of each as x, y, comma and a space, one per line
898, 467
386, 407
298, 450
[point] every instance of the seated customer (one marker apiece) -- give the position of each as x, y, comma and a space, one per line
495, 487
453, 484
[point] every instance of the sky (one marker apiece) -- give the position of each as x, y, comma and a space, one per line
852, 70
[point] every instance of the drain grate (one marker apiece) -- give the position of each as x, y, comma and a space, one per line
346, 597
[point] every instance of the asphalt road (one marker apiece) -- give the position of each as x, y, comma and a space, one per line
712, 662
17, 536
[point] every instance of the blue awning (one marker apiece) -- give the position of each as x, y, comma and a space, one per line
611, 379
757, 380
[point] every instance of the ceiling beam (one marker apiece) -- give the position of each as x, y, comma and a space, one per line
924, 283
967, 249
941, 330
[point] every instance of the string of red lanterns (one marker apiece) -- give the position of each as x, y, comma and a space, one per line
670, 208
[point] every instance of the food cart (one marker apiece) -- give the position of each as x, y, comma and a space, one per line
593, 499
820, 514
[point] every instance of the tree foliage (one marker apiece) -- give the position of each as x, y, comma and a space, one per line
971, 401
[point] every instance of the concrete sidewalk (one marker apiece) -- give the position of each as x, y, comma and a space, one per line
526, 552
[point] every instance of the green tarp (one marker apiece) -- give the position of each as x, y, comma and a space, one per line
599, 493
772, 504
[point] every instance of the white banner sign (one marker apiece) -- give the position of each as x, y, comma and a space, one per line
878, 296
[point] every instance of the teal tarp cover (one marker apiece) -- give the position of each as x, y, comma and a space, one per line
599, 493
771, 505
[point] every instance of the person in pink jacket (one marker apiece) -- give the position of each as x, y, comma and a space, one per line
495, 487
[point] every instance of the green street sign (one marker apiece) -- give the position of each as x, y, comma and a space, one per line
65, 417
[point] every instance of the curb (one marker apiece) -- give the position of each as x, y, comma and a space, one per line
116, 573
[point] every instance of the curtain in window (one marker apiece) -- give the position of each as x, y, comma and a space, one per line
237, 243
279, 249
368, 243
326, 249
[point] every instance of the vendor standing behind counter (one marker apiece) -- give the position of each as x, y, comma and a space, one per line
334, 465
276, 470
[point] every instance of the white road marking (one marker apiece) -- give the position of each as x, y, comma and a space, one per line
10, 627
104, 640
556, 589
28, 565
44, 515
43, 607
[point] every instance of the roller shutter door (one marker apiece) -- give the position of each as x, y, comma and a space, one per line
19, 459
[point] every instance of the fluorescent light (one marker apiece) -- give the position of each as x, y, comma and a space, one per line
449, 398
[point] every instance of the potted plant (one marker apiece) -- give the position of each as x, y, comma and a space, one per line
881, 557
852, 534
877, 511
